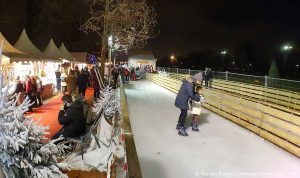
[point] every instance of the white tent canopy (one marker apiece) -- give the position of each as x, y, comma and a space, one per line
24, 44
65, 52
52, 51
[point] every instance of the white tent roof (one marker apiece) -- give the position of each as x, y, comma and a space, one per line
52, 51
66, 53
24, 44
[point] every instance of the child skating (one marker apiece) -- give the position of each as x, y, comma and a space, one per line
196, 108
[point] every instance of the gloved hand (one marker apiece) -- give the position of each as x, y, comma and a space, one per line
190, 102
202, 99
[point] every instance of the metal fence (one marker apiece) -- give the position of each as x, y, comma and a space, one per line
266, 81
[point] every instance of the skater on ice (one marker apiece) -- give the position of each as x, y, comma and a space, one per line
182, 100
196, 108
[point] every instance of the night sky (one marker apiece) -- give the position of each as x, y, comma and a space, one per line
195, 25
185, 26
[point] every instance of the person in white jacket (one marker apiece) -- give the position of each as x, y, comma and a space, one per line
196, 108
63, 78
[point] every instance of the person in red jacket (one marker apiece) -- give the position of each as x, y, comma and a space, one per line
27, 86
28, 90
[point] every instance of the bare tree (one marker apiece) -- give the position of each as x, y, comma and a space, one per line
130, 22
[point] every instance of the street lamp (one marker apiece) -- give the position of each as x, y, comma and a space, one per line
173, 59
287, 47
224, 52
110, 44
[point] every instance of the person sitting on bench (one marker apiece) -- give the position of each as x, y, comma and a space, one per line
71, 117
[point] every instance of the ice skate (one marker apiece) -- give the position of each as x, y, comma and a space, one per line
195, 127
182, 132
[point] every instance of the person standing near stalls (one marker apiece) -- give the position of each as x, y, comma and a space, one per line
82, 82
96, 83
133, 74
115, 73
185, 93
77, 71
58, 78
88, 74
33, 91
19, 89
71, 82
63, 78
39, 85
28, 90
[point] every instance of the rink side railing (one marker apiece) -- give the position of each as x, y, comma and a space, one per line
278, 98
280, 126
132, 166
266, 81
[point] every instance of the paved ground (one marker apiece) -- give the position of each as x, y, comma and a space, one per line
220, 149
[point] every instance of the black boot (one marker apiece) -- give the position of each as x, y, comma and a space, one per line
195, 127
182, 132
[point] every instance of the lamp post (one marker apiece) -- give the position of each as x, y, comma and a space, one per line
173, 59
286, 49
110, 44
223, 54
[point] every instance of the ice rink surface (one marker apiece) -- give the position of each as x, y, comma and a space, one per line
220, 149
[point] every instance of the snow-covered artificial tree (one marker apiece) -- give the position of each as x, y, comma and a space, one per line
25, 152
105, 96
108, 136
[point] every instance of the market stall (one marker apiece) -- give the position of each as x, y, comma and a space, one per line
43, 66
141, 59
52, 52
14, 56
80, 59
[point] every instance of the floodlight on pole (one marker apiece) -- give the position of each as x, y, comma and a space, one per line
287, 47
223, 52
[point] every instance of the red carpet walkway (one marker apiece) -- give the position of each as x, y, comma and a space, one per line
49, 112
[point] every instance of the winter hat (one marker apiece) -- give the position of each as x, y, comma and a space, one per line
198, 77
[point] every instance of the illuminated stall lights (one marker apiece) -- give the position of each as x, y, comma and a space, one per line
5, 60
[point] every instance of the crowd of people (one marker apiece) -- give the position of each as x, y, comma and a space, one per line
32, 88
73, 80
73, 84
132, 73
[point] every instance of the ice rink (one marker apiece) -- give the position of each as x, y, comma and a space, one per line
220, 149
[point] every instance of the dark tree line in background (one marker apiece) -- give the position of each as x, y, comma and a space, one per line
247, 58
45, 19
